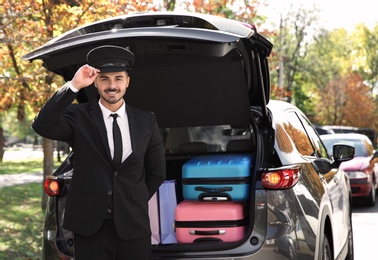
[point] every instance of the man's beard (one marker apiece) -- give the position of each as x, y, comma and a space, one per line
113, 100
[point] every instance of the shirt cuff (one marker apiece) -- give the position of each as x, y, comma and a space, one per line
69, 84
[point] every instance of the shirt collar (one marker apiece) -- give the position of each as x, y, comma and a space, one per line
106, 112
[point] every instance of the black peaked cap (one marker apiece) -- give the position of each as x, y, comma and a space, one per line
110, 58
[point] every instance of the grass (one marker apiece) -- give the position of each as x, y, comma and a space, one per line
21, 215
21, 222
26, 165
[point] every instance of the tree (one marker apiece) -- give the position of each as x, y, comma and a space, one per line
365, 55
26, 25
244, 11
347, 101
339, 93
295, 33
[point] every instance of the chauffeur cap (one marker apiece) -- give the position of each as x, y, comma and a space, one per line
110, 58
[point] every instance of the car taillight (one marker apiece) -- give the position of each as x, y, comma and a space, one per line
51, 187
280, 178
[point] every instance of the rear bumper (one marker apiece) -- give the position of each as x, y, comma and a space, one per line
360, 188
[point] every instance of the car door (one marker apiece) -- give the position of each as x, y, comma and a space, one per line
335, 184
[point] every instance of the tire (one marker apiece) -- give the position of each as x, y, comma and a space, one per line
292, 254
326, 253
350, 254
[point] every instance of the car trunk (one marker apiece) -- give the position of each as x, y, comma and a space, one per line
199, 74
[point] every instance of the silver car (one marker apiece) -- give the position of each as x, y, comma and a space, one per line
207, 80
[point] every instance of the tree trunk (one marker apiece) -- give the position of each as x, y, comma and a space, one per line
2, 142
48, 164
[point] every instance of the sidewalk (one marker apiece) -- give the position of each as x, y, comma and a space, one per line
22, 178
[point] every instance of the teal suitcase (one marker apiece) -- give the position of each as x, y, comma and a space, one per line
217, 178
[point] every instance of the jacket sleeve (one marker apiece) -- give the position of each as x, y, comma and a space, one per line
155, 161
54, 120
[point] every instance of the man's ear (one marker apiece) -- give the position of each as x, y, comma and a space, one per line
128, 81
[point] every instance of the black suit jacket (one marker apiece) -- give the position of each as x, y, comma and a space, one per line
94, 180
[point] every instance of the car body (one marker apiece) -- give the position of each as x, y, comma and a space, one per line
362, 169
207, 80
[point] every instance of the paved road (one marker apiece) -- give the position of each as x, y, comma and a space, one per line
365, 230
23, 178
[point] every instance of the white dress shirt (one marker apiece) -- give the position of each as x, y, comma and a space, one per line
123, 124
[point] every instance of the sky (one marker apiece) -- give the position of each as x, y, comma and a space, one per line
333, 13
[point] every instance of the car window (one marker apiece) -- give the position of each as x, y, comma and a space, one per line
202, 139
295, 129
319, 147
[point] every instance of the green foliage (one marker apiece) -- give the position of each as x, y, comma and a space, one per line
21, 222
16, 128
291, 44
364, 54
326, 73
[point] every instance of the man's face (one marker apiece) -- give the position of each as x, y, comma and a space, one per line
112, 87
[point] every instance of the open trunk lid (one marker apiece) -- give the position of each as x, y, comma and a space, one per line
190, 69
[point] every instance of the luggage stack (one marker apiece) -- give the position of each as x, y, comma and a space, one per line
215, 189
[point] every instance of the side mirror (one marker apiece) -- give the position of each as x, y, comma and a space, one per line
342, 153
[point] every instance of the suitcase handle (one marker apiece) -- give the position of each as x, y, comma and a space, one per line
207, 239
214, 197
213, 190
210, 197
207, 232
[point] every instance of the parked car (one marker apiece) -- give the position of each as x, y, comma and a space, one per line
207, 80
363, 169
341, 129
322, 130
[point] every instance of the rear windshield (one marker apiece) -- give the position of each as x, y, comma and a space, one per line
204, 139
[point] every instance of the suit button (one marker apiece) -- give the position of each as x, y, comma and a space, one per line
110, 192
109, 210
116, 173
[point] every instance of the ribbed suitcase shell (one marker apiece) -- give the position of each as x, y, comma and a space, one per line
217, 177
209, 221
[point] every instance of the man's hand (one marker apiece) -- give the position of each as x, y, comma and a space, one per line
84, 77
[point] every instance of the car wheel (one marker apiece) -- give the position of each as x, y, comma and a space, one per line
292, 255
326, 253
370, 202
350, 255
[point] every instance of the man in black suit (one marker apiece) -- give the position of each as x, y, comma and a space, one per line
119, 159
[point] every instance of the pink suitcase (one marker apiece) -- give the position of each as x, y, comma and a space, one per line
209, 221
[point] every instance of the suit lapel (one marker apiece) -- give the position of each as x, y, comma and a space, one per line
96, 114
133, 126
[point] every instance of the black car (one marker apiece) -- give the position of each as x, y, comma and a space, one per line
207, 80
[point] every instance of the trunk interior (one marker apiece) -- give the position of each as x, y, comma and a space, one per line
182, 145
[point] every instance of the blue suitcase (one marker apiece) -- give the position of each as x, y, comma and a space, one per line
217, 178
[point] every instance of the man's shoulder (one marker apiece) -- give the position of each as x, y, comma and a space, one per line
139, 112
84, 107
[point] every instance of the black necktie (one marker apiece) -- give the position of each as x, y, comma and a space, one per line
117, 138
